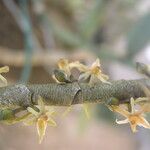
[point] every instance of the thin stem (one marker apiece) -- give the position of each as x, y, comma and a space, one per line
71, 93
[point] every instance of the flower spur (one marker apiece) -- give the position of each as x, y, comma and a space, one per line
41, 116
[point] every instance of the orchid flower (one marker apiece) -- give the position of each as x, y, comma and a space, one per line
41, 118
134, 118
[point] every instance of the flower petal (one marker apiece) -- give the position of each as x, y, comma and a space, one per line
132, 105
96, 63
144, 123
50, 113
84, 76
3, 79
4, 69
41, 128
53, 76
63, 64
133, 127
103, 79
41, 104
121, 111
51, 122
122, 121
79, 66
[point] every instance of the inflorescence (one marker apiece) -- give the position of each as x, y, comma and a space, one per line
42, 115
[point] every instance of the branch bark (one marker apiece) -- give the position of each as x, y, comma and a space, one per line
21, 95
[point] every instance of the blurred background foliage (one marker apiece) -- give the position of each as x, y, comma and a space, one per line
35, 34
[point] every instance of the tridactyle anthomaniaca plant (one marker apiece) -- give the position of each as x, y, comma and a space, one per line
33, 104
